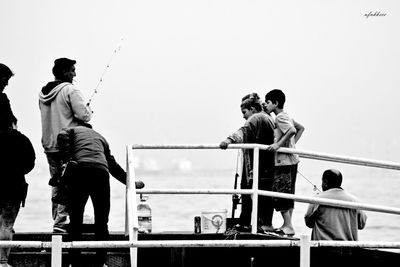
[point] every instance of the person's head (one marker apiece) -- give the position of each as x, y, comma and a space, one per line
251, 104
274, 99
64, 69
5, 75
331, 178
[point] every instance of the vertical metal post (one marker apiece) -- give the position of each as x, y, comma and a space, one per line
254, 214
131, 218
56, 250
305, 251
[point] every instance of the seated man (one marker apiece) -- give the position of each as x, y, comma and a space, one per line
334, 223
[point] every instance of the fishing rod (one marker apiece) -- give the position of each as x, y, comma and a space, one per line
315, 188
116, 50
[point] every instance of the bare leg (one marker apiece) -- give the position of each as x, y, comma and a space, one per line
287, 226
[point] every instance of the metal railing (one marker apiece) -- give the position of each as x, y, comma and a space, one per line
131, 229
304, 242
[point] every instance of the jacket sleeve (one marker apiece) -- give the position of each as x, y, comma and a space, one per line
310, 215
114, 168
64, 144
28, 155
79, 107
362, 219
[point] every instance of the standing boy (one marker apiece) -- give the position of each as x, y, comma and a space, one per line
287, 133
61, 105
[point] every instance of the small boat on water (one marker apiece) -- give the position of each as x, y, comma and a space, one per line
229, 248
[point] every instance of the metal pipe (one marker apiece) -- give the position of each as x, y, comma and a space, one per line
56, 251
301, 153
254, 213
131, 211
298, 198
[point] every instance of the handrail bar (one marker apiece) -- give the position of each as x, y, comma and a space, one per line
302, 153
299, 198
197, 243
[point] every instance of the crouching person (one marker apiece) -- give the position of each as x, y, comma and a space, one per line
90, 178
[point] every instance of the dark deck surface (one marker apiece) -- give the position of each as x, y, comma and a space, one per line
208, 257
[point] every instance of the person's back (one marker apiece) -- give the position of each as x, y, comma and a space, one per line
62, 106
258, 128
90, 179
334, 223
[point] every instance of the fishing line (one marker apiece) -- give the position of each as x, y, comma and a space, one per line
315, 188
116, 50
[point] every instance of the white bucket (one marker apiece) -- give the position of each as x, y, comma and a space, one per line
213, 221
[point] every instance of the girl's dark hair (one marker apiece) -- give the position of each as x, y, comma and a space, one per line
251, 100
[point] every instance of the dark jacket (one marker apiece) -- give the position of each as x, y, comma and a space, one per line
17, 158
258, 129
89, 148
6, 115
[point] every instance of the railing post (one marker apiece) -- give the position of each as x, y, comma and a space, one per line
56, 250
305, 251
131, 218
254, 214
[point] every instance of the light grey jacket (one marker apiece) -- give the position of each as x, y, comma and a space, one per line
63, 107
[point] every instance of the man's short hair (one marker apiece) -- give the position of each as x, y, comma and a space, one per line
333, 178
276, 95
5, 72
61, 65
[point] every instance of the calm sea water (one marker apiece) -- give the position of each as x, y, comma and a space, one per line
176, 212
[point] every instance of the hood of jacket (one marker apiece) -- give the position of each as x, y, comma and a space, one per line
50, 91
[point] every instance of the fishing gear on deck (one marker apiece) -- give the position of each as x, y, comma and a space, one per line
104, 72
235, 197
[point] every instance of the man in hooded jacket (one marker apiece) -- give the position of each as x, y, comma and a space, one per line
61, 105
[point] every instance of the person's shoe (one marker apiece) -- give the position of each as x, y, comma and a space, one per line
267, 228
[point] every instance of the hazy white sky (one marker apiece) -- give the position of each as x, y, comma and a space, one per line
184, 65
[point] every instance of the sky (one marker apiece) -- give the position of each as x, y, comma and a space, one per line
177, 70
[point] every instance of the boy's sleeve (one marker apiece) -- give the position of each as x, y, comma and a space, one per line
284, 123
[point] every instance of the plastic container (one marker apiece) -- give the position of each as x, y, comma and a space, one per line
144, 216
213, 221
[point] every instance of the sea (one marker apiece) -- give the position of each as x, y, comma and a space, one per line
176, 212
